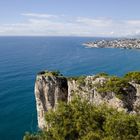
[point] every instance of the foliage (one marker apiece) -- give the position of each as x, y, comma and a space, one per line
133, 77
73, 78
121, 127
102, 74
50, 73
79, 79
29, 136
113, 84
80, 120
91, 136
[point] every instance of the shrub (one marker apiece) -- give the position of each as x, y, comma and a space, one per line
114, 84
121, 127
80, 79
91, 136
102, 74
80, 120
50, 73
41, 73
133, 77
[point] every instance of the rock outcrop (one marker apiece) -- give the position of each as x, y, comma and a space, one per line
88, 92
50, 89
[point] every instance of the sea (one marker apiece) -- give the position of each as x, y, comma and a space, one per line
21, 58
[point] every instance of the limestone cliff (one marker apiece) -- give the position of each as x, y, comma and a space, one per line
52, 87
48, 91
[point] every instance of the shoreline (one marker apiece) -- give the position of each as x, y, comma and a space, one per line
117, 43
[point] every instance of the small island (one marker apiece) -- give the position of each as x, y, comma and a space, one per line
116, 43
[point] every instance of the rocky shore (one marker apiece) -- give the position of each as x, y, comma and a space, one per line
120, 93
117, 43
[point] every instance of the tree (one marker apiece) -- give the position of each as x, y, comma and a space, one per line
80, 120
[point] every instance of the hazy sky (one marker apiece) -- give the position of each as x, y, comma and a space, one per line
70, 17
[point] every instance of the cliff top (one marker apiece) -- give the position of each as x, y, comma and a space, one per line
50, 73
133, 77
57, 107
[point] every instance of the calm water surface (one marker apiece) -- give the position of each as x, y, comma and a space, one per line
22, 57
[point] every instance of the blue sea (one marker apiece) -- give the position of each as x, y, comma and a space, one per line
21, 58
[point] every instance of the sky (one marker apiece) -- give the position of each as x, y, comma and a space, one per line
108, 18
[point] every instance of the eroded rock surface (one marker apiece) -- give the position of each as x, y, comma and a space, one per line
49, 89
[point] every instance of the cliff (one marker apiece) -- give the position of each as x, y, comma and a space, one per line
52, 87
49, 89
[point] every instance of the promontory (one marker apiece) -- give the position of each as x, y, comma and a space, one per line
122, 93
95, 107
114, 43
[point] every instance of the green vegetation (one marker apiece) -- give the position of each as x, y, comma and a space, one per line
113, 84
73, 78
103, 74
133, 77
80, 120
117, 84
79, 79
50, 73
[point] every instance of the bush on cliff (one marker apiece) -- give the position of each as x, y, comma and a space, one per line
113, 84
79, 79
80, 120
50, 73
133, 77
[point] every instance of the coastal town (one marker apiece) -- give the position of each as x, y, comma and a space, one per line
117, 43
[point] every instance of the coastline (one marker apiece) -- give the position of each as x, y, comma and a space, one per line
117, 43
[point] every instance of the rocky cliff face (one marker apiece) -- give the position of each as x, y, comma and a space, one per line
88, 91
49, 89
